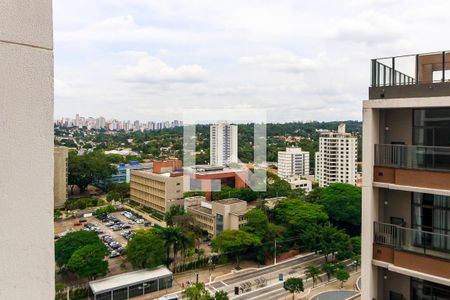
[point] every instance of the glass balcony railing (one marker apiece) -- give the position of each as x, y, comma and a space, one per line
413, 157
412, 240
411, 69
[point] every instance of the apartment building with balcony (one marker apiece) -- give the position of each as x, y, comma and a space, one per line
293, 163
406, 186
336, 158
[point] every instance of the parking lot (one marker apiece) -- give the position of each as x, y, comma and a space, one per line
114, 229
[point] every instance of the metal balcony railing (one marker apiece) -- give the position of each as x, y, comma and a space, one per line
412, 240
411, 69
413, 157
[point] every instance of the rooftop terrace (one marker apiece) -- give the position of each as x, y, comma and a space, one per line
408, 76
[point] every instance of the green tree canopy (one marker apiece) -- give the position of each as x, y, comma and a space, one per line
146, 249
342, 202
88, 261
196, 292
122, 189
329, 269
342, 275
312, 271
235, 242
294, 285
84, 169
71, 242
176, 239
298, 215
257, 222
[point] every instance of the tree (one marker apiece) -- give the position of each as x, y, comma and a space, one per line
196, 292
312, 271
176, 239
146, 249
298, 214
329, 269
88, 261
112, 196
85, 169
174, 210
342, 202
235, 242
257, 222
120, 189
105, 210
342, 275
356, 259
71, 242
221, 295
294, 285
333, 240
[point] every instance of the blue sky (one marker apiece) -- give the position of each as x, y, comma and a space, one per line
297, 60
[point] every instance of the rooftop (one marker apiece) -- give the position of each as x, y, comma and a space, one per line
229, 201
200, 208
408, 73
122, 280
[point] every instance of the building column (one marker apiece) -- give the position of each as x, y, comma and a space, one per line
369, 205
26, 150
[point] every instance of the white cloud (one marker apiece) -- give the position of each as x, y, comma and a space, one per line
149, 69
300, 60
280, 63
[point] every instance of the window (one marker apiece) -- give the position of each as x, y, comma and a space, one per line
431, 213
136, 290
103, 296
424, 290
120, 294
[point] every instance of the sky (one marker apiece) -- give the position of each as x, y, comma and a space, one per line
151, 60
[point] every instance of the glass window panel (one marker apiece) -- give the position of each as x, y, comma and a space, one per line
136, 290
120, 294
103, 296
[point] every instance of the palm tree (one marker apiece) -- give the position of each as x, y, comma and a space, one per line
313, 272
176, 240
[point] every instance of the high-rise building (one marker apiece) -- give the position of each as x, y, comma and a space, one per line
61, 156
293, 163
223, 144
336, 159
406, 179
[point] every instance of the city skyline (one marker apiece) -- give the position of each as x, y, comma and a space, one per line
297, 60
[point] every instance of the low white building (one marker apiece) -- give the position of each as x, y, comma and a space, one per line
297, 183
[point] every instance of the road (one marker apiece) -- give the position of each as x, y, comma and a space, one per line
273, 287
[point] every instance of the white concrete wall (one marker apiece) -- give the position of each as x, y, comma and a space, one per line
26, 150
370, 204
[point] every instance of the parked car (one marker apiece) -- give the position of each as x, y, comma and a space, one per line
114, 254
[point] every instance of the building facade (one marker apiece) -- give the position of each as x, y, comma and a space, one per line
156, 191
26, 141
303, 184
406, 186
61, 156
217, 216
223, 144
337, 156
293, 163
